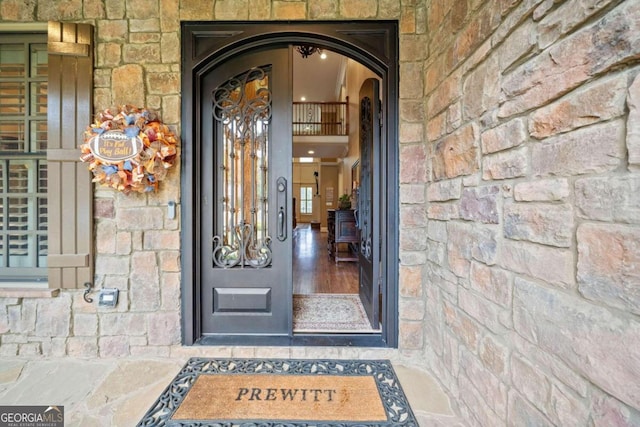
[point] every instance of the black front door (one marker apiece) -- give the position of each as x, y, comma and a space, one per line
245, 179
368, 211
236, 196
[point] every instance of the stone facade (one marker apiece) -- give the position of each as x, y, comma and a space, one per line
520, 207
531, 117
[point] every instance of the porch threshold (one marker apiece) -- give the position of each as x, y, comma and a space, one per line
298, 339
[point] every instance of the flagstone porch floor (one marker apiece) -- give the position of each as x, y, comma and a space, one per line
118, 392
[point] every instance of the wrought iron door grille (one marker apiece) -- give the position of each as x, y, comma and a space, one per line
364, 196
242, 110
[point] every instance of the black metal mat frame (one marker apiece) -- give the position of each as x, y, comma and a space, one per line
391, 394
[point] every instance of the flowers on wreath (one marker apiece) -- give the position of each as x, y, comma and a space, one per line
129, 150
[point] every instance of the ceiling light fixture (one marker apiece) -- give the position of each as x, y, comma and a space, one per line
305, 50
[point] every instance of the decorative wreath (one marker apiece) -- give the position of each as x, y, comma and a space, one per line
130, 150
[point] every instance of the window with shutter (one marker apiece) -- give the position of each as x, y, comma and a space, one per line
23, 166
70, 190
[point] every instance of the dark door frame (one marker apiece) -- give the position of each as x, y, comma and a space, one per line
208, 44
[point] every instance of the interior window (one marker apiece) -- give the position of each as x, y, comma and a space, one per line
23, 168
306, 200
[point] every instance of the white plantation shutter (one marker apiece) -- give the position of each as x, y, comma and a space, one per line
23, 183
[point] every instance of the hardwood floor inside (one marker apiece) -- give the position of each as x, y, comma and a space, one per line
314, 271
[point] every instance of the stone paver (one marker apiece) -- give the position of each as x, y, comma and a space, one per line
118, 392
429, 403
99, 392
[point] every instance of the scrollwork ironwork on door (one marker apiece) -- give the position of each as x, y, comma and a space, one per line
364, 196
242, 109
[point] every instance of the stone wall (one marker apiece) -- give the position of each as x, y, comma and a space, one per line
530, 251
520, 201
138, 247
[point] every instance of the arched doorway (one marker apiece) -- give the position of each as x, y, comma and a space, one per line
236, 179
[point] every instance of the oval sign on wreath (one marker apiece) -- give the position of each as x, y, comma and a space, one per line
130, 150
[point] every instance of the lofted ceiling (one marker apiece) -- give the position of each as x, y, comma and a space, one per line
318, 80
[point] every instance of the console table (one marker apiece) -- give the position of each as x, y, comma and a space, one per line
341, 225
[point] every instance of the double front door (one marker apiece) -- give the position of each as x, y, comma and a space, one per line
236, 187
246, 196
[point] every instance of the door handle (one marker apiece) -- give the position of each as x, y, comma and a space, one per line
282, 233
281, 199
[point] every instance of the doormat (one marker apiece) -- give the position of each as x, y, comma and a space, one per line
282, 392
330, 313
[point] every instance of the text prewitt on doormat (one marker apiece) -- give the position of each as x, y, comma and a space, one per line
282, 397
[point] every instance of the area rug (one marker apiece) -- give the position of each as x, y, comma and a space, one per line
330, 313
282, 392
